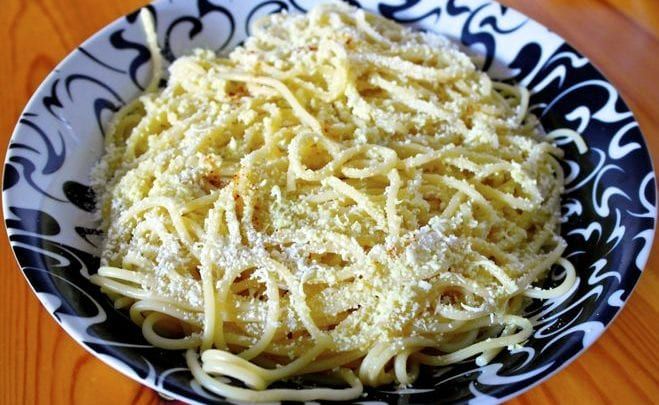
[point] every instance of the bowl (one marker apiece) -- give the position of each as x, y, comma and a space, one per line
608, 209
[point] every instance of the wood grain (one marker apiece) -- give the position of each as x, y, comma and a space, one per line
40, 364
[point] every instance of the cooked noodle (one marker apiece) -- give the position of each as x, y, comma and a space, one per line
341, 197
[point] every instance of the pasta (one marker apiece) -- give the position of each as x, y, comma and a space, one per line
340, 198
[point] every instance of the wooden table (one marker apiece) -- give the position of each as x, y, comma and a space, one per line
40, 363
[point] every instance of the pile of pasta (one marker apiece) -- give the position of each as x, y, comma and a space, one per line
341, 198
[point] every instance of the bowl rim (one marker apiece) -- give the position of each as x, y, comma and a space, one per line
161, 390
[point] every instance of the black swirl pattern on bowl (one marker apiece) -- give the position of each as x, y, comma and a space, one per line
608, 210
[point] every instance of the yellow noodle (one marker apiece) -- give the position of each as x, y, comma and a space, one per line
333, 199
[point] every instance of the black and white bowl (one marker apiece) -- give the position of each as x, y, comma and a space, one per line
609, 208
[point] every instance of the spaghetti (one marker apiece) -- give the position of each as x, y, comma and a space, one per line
341, 197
